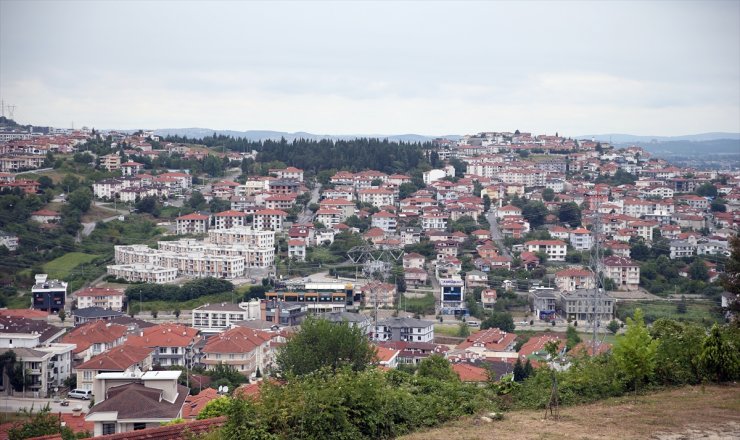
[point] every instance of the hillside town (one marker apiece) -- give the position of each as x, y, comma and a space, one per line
497, 246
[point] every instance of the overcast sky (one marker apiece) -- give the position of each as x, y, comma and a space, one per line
663, 68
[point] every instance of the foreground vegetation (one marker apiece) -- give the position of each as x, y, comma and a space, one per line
336, 393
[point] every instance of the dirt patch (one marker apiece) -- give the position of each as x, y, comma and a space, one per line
712, 412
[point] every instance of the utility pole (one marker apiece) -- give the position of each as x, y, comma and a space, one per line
596, 265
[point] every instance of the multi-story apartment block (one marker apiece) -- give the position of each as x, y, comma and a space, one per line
214, 318
329, 217
111, 162
404, 329
434, 221
49, 295
554, 249
292, 173
100, 297
245, 349
569, 280
682, 249
143, 273
623, 271
192, 224
172, 344
245, 236
581, 239
229, 219
269, 220
587, 305
377, 197
297, 249
385, 221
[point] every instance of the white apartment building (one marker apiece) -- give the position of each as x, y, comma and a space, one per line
569, 280
297, 249
623, 271
215, 318
404, 329
581, 239
434, 221
554, 249
377, 197
192, 224
385, 221
144, 273
269, 220
229, 219
329, 217
100, 297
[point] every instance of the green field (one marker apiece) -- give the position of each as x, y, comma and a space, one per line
61, 267
448, 330
169, 306
423, 305
698, 312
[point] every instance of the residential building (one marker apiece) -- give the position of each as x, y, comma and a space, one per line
48, 295
122, 359
351, 319
45, 368
452, 295
88, 314
105, 298
46, 216
94, 338
377, 197
111, 162
404, 329
214, 318
488, 298
10, 241
623, 271
385, 221
173, 344
270, 220
413, 261
569, 280
581, 239
192, 224
682, 249
247, 350
587, 305
28, 333
554, 249
291, 313
297, 249
144, 273
378, 294
229, 219
415, 277
128, 402
292, 173
488, 343
544, 302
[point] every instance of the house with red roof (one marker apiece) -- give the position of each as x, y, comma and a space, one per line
269, 220
386, 357
229, 219
195, 404
487, 342
470, 373
194, 223
121, 359
173, 344
297, 249
243, 348
94, 338
569, 280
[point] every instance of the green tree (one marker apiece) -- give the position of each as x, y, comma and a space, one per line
572, 337
80, 199
707, 190
677, 357
613, 326
635, 353
39, 424
243, 423
500, 320
436, 367
535, 213
197, 201
548, 194
321, 343
681, 306
698, 271
518, 370
62, 315
463, 330
570, 213
719, 358
215, 408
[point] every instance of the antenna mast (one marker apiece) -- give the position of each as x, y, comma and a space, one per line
596, 266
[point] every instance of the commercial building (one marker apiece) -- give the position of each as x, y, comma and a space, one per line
49, 295
404, 329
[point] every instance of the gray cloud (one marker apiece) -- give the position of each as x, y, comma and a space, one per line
342, 67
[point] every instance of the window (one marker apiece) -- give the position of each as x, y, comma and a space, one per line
139, 426
162, 350
109, 428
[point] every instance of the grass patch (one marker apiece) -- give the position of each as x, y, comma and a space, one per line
19, 302
446, 330
96, 213
61, 267
698, 312
168, 306
422, 306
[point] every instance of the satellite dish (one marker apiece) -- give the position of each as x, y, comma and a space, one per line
226, 389
220, 389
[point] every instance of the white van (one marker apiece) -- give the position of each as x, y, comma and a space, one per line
80, 394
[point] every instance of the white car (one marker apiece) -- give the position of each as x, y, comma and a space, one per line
80, 394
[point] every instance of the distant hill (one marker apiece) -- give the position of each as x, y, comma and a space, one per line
619, 138
690, 148
257, 135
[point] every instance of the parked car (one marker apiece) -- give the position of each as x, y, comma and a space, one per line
80, 394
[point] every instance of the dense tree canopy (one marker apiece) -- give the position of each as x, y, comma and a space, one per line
322, 344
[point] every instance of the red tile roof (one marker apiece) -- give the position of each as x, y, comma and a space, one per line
117, 359
93, 333
195, 404
470, 373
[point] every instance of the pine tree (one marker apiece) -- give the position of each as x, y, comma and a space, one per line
635, 353
518, 371
528, 369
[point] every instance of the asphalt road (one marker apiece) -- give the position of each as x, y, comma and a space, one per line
14, 404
